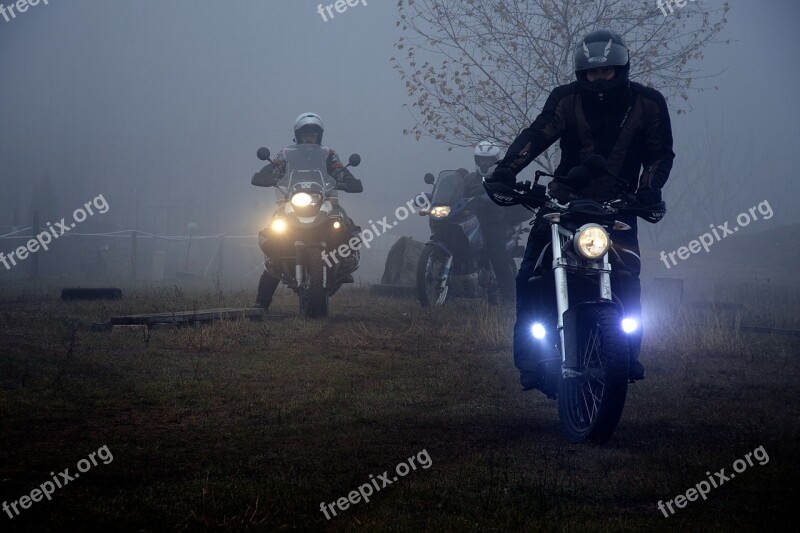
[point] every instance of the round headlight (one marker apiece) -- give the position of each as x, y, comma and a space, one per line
302, 199
278, 225
591, 242
440, 211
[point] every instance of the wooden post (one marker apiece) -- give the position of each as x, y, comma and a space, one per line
35, 256
220, 252
133, 255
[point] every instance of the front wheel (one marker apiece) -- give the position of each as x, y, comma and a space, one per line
313, 296
590, 405
496, 293
432, 276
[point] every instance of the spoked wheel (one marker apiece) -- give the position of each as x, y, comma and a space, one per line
432, 277
314, 296
590, 405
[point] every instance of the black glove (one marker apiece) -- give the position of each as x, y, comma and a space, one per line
562, 191
648, 197
265, 178
503, 175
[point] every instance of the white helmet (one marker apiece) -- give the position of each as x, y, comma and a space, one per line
308, 122
486, 155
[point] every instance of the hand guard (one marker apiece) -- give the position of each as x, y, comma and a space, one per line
648, 197
265, 178
503, 175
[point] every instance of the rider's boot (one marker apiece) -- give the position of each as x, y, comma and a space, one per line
266, 288
636, 370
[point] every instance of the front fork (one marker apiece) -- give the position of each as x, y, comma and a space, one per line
562, 291
445, 273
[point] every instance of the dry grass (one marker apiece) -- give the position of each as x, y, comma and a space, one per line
245, 425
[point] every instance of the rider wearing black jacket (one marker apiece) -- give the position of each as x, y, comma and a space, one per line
601, 113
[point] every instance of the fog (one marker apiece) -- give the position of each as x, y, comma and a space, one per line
160, 106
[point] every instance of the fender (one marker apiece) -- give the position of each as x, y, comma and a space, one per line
571, 317
440, 246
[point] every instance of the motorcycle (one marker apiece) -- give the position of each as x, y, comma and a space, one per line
453, 262
307, 228
587, 339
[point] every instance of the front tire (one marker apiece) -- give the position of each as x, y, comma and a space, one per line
590, 406
494, 292
430, 270
314, 297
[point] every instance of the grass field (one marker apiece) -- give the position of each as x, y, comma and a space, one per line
247, 425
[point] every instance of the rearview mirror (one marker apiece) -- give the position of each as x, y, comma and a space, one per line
429, 179
354, 160
263, 154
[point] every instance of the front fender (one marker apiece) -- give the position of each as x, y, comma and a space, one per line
440, 247
571, 318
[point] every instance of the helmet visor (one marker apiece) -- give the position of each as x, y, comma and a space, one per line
485, 162
309, 135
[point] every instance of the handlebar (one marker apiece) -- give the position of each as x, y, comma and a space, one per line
534, 196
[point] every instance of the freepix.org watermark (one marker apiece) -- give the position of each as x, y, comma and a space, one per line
11, 11
46, 489
718, 479
368, 235
340, 6
663, 5
365, 491
705, 240
53, 231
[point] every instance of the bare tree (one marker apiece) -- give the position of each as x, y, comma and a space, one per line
710, 184
482, 69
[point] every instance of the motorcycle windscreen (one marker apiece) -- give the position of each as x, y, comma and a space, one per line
306, 164
449, 188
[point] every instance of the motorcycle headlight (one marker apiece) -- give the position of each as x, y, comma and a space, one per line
591, 241
278, 225
440, 211
302, 199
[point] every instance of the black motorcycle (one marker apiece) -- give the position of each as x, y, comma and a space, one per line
454, 263
587, 336
308, 226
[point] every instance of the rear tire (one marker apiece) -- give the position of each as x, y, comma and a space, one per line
429, 272
314, 298
590, 406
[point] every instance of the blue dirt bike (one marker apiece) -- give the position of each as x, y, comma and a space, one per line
454, 263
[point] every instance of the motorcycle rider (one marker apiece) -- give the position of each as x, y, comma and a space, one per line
308, 129
494, 220
628, 124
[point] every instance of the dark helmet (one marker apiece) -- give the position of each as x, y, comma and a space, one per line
602, 48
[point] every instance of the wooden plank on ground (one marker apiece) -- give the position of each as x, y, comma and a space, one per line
186, 317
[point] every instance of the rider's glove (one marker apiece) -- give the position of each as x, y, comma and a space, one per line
265, 178
503, 175
648, 197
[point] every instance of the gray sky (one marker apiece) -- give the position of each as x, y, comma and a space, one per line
167, 102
